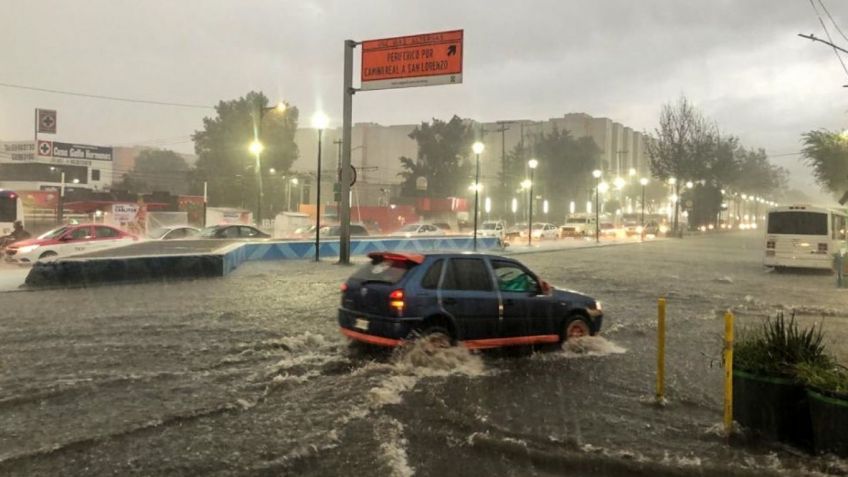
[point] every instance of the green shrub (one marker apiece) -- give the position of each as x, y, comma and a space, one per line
829, 377
778, 346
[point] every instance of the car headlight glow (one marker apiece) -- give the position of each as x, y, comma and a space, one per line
27, 249
598, 306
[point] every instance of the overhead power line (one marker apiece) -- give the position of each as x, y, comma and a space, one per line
107, 98
836, 25
826, 32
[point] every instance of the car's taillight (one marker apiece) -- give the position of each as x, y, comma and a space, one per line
822, 248
343, 287
770, 244
396, 301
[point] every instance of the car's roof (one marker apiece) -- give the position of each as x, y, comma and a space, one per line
175, 227
420, 256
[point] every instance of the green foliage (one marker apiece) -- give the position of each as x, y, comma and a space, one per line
157, 170
443, 152
222, 147
688, 146
826, 152
565, 169
827, 376
778, 346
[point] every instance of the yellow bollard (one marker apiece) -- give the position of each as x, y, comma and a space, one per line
728, 372
661, 351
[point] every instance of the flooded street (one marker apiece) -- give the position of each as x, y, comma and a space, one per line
248, 375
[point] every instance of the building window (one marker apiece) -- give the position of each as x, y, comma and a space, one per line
95, 174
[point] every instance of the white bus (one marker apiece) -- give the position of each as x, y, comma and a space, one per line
803, 236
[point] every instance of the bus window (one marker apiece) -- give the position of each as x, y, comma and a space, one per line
8, 207
797, 223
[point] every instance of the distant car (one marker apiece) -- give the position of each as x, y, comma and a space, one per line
477, 300
233, 232
356, 230
492, 228
632, 228
418, 230
68, 240
608, 229
542, 230
174, 233
577, 226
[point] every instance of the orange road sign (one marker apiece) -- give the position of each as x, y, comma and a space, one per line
418, 60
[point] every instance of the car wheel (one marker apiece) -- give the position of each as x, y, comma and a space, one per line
435, 337
48, 256
575, 327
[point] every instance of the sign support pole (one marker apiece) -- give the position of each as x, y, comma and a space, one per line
347, 117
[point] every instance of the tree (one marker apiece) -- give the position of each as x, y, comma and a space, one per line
443, 152
826, 152
224, 160
565, 169
157, 170
131, 184
757, 175
683, 147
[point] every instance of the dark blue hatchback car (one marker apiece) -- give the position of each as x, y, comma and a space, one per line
477, 300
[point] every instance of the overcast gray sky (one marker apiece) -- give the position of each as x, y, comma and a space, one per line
741, 62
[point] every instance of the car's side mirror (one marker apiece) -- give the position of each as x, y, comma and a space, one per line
65, 238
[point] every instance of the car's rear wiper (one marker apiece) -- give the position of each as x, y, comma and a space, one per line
374, 280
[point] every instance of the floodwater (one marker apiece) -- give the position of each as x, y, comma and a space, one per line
247, 375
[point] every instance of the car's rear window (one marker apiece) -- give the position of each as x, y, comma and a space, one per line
383, 270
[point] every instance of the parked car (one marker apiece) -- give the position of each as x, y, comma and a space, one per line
174, 233
492, 228
542, 230
418, 230
444, 226
356, 230
578, 226
233, 232
68, 240
458, 298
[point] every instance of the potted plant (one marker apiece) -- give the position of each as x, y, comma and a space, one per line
768, 396
827, 393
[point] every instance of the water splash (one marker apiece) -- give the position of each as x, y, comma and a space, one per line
590, 346
428, 357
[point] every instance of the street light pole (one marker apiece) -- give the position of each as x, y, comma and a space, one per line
643, 182
477, 148
318, 202
60, 210
597, 175
532, 163
319, 122
256, 147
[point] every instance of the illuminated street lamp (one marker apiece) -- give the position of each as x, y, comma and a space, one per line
532, 163
320, 121
619, 183
631, 172
256, 149
689, 184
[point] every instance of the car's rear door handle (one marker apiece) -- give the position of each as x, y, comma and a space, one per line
449, 301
